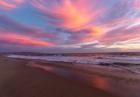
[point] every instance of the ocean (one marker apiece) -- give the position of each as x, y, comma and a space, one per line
121, 61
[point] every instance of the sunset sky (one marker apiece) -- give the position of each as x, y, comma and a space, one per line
70, 25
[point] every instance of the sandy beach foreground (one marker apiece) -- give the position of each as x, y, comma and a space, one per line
17, 79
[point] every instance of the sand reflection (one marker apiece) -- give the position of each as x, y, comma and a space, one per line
100, 83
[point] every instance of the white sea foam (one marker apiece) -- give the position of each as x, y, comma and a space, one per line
130, 63
85, 60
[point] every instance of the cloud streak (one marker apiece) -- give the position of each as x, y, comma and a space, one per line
22, 40
73, 15
69, 24
10, 4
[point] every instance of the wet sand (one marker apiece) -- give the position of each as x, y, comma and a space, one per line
122, 83
19, 80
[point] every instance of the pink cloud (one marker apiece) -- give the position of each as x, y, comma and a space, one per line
120, 35
75, 15
10, 4
136, 4
22, 40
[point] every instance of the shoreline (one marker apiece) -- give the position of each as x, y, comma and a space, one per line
116, 73
19, 80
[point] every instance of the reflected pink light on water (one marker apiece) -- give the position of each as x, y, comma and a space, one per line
100, 83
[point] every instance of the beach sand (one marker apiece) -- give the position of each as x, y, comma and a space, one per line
19, 80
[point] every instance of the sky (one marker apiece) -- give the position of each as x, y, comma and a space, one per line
59, 26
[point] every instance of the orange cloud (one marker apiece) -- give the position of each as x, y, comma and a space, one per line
74, 18
97, 31
75, 15
22, 40
94, 33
